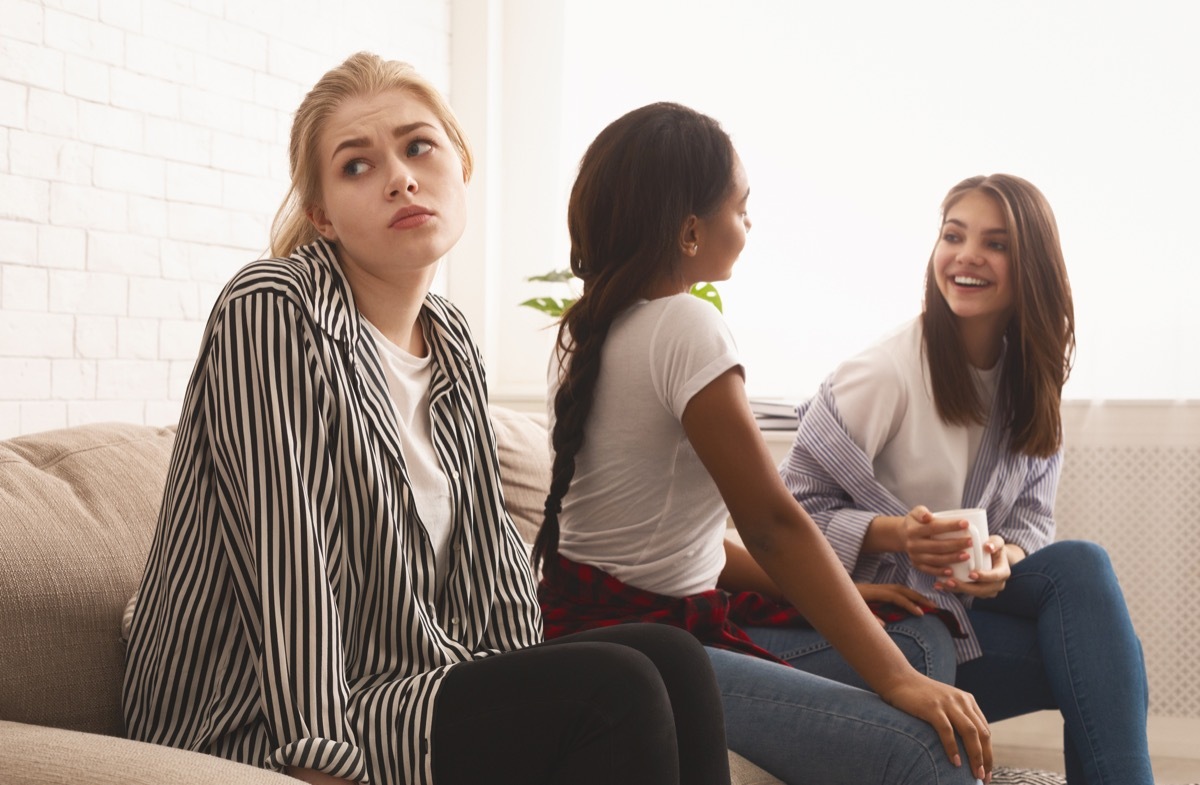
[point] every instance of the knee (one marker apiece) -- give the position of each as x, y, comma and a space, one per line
671, 649
1078, 562
620, 683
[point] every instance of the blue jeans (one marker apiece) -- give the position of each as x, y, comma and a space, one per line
805, 728
1059, 637
925, 642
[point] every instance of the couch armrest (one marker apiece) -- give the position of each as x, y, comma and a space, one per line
37, 755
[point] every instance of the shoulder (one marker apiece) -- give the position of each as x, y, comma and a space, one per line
686, 318
688, 306
893, 359
301, 277
308, 284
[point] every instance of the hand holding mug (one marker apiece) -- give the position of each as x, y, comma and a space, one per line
935, 544
986, 582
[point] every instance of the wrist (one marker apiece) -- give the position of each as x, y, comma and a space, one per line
885, 534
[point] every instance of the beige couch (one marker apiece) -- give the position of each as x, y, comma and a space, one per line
77, 510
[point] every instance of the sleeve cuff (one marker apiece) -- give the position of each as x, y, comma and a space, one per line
846, 531
335, 758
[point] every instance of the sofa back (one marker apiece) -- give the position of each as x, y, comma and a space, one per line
78, 508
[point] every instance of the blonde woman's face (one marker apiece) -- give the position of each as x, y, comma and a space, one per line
393, 196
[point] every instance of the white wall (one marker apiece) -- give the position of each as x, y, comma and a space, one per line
854, 118
142, 157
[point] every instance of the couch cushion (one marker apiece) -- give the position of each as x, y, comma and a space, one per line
77, 511
524, 449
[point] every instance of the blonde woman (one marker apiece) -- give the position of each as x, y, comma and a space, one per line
335, 589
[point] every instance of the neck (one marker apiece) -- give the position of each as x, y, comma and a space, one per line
393, 306
982, 340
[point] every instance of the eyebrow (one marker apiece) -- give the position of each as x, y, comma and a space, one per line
963, 225
362, 141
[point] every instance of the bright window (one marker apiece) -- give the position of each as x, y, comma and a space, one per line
854, 118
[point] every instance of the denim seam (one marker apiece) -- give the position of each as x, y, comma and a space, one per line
857, 720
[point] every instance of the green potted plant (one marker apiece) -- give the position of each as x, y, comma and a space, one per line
556, 306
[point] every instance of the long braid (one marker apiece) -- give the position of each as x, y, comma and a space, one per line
580, 344
639, 180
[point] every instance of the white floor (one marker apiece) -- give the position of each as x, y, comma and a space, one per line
1034, 742
1167, 771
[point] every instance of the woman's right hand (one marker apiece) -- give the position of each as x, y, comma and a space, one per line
931, 556
948, 710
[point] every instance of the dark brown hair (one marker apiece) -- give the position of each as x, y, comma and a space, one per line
1040, 333
638, 182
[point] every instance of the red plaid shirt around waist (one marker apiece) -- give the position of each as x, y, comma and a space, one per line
576, 597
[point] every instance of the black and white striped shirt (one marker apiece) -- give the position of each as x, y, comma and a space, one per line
287, 616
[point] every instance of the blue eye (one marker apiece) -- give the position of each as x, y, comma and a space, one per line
355, 167
418, 147
998, 246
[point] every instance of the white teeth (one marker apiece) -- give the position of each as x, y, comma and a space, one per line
963, 280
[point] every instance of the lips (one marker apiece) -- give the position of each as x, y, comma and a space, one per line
410, 217
969, 281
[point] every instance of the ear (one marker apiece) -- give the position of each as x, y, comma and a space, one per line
689, 236
320, 221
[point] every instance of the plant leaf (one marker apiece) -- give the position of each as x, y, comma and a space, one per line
554, 276
709, 293
550, 306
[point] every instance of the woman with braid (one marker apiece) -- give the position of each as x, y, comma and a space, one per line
654, 444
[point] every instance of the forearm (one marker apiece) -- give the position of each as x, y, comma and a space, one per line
800, 560
743, 573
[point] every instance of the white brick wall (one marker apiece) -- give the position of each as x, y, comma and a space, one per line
142, 158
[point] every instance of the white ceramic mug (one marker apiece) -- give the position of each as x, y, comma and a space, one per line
977, 530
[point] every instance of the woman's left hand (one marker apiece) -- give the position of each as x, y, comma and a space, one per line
988, 583
901, 596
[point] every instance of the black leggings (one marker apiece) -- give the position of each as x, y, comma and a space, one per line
631, 704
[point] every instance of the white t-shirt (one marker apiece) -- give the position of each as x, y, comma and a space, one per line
641, 506
886, 402
408, 379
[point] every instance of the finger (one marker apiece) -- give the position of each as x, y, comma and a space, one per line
945, 731
973, 743
910, 606
915, 596
951, 546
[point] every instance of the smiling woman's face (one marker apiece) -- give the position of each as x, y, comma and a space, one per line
971, 261
393, 196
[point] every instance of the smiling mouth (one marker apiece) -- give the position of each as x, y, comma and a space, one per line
968, 281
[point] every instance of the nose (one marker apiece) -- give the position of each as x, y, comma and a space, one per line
969, 254
401, 180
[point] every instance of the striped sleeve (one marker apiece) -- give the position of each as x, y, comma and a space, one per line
1030, 525
514, 619
833, 479
268, 415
